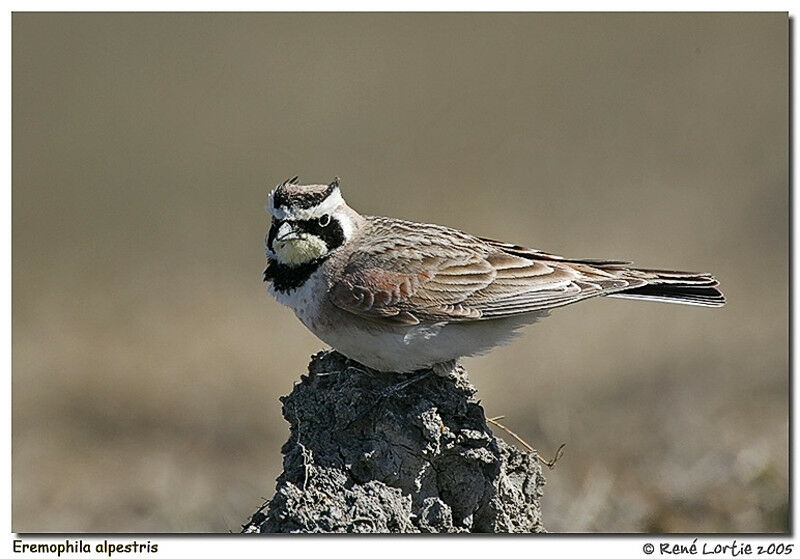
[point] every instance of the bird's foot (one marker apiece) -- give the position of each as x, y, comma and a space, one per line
400, 386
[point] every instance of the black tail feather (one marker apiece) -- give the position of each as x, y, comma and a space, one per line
686, 293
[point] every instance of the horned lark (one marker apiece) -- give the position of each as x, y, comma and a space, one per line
400, 296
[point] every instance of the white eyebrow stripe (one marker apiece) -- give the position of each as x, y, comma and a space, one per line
327, 206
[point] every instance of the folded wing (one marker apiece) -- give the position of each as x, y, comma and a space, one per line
445, 275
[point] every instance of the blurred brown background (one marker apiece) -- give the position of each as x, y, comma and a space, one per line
148, 357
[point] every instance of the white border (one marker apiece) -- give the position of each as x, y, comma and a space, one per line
275, 546
406, 6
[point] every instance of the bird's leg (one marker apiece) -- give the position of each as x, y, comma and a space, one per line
445, 369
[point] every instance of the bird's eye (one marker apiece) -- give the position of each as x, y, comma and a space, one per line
324, 221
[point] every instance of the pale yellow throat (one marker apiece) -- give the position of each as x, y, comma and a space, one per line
299, 250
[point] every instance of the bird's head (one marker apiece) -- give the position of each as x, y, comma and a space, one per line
308, 222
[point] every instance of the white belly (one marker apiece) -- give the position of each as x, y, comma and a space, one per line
406, 349
395, 348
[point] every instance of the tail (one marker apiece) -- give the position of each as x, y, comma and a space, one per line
668, 286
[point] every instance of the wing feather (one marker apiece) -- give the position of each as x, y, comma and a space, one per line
420, 272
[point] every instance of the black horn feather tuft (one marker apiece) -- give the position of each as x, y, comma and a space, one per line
291, 194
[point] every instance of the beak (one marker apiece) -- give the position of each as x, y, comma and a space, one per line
286, 232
